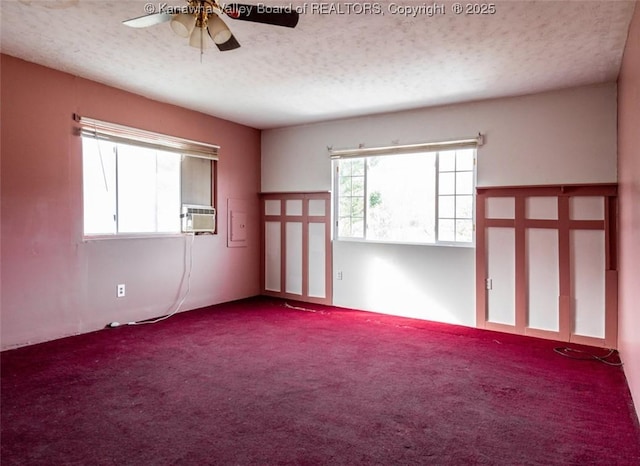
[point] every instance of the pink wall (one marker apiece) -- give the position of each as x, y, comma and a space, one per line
629, 186
54, 283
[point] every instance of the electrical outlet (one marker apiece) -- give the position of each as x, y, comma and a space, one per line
120, 291
339, 275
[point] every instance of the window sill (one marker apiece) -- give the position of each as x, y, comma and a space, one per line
89, 239
471, 245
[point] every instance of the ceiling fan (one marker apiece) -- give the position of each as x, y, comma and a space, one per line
203, 17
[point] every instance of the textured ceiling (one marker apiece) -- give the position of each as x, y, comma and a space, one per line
331, 65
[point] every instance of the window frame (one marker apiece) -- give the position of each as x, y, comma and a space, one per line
474, 174
437, 148
89, 128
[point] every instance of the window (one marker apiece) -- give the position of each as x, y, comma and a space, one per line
455, 195
132, 186
414, 197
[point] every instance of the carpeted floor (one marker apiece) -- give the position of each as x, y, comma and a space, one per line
257, 382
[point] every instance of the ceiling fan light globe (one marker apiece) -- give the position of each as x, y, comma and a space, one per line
198, 39
183, 24
222, 37
218, 30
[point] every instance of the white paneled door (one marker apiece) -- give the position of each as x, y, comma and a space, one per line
296, 246
546, 262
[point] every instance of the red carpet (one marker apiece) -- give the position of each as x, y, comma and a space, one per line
255, 382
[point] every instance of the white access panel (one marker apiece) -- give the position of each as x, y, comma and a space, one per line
588, 282
500, 207
272, 207
586, 208
317, 207
541, 207
501, 260
293, 257
317, 254
272, 257
543, 271
293, 207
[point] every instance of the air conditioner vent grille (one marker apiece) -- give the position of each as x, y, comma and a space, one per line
196, 219
199, 210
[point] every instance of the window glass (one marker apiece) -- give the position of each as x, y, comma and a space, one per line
99, 186
426, 197
352, 191
456, 186
400, 204
132, 189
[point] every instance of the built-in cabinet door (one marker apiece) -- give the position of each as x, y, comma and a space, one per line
296, 246
546, 262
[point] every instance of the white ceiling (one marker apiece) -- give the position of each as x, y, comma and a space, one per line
331, 65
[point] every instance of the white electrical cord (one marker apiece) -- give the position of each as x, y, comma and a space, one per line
158, 319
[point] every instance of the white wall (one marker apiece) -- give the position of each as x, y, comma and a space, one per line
560, 137
426, 282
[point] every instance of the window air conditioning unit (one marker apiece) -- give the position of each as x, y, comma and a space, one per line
198, 219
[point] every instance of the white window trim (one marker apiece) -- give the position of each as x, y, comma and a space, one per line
363, 152
130, 236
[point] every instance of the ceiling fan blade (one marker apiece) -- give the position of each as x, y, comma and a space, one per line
231, 44
277, 16
148, 20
